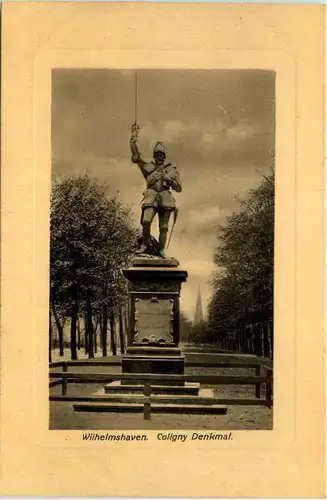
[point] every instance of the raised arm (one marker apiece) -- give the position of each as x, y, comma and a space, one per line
136, 155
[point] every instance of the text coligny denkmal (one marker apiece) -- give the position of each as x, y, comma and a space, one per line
161, 436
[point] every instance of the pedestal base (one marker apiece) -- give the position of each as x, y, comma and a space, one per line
122, 400
155, 363
154, 289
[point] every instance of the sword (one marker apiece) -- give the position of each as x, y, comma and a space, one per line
135, 98
172, 227
135, 127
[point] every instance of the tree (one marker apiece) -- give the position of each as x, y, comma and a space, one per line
121, 331
201, 333
50, 336
185, 327
244, 256
92, 238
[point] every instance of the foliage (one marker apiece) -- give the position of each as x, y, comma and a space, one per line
185, 327
92, 238
244, 256
201, 333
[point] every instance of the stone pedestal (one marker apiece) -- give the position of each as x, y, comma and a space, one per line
153, 339
153, 347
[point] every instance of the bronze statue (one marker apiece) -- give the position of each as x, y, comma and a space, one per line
157, 198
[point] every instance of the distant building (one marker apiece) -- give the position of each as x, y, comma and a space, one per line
198, 315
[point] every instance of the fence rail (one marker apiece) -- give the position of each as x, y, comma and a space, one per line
192, 364
64, 377
157, 399
204, 379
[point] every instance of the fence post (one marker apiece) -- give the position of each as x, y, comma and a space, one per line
258, 339
258, 386
263, 333
147, 402
64, 380
255, 339
241, 340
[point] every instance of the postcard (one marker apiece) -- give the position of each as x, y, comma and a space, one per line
162, 250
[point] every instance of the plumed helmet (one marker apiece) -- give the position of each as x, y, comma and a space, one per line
159, 148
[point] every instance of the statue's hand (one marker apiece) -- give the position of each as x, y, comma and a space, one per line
135, 128
134, 132
166, 181
136, 158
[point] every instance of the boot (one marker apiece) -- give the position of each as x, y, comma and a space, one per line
162, 242
145, 241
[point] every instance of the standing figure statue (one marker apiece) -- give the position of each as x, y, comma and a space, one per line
157, 198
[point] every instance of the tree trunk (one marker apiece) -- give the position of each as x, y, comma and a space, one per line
104, 330
78, 334
95, 329
86, 343
126, 322
266, 349
50, 337
73, 326
271, 337
90, 333
112, 334
258, 335
100, 332
121, 332
95, 341
60, 331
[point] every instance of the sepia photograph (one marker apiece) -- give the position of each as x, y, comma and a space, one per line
162, 249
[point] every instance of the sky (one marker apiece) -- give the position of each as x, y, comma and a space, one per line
219, 130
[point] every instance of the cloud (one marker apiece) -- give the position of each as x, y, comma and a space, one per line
207, 140
199, 267
205, 216
193, 142
173, 129
240, 132
218, 127
206, 201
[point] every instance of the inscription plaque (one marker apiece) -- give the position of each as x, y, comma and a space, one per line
153, 320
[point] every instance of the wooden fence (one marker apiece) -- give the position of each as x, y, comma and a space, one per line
65, 377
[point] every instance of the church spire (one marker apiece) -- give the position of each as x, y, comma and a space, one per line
198, 315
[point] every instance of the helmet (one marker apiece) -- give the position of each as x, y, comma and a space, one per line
159, 148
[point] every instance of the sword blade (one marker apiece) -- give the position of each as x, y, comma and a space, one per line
171, 232
135, 98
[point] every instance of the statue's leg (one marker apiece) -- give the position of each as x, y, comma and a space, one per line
147, 218
164, 216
